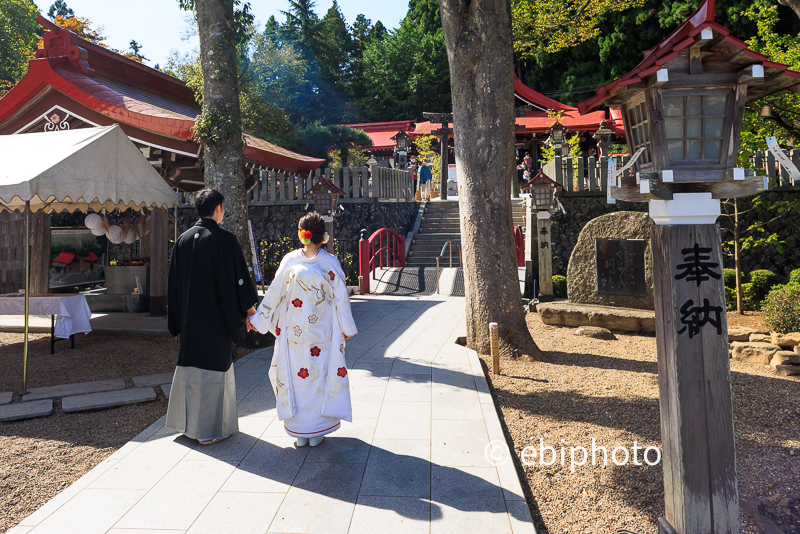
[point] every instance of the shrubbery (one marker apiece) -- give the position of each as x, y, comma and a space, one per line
782, 309
560, 286
762, 281
729, 275
794, 277
730, 298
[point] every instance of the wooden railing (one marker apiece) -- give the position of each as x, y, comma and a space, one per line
384, 248
589, 176
360, 183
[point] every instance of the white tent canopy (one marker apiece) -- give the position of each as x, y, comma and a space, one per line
87, 168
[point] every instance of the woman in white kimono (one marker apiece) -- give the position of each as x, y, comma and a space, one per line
307, 309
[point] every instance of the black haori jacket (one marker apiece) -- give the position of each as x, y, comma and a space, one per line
208, 296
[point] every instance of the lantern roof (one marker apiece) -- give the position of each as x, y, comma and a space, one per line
701, 33
541, 179
329, 186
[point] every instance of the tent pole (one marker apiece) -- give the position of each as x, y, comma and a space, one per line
27, 293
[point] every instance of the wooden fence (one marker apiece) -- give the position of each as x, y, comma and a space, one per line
360, 183
589, 176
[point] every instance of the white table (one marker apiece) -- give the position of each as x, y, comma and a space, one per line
72, 311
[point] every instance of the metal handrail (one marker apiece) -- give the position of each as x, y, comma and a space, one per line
441, 255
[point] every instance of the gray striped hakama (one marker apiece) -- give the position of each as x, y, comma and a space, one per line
202, 403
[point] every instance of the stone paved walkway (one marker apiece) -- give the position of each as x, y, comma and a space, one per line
412, 461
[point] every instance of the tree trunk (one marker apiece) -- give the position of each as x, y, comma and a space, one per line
737, 258
793, 4
478, 38
219, 127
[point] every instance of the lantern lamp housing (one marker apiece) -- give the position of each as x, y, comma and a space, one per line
326, 197
542, 190
683, 104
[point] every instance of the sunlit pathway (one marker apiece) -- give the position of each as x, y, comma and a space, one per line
412, 461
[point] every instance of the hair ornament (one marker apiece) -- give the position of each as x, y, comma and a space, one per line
305, 237
326, 238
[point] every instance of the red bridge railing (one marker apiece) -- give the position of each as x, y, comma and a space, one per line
385, 248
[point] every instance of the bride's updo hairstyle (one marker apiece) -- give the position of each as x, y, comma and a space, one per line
314, 223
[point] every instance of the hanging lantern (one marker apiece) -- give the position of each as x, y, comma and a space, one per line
93, 221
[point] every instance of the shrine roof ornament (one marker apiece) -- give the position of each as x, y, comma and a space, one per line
328, 186
702, 36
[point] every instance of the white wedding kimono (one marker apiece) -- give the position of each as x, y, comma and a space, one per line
307, 309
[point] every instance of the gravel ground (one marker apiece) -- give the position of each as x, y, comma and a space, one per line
608, 390
41, 457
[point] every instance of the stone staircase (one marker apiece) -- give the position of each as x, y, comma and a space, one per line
440, 224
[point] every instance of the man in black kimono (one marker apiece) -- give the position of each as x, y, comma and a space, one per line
209, 297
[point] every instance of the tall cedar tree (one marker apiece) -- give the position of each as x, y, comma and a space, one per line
219, 126
479, 49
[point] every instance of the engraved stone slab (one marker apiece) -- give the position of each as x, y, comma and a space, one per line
582, 270
66, 390
107, 399
620, 266
26, 410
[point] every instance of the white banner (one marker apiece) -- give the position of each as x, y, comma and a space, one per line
782, 159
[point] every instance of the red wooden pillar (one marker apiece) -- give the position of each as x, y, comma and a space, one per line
363, 263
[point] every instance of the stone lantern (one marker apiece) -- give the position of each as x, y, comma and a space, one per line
557, 136
326, 201
402, 143
682, 108
542, 190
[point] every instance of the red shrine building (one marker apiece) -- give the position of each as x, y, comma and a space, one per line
74, 83
532, 126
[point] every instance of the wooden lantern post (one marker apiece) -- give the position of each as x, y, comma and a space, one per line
542, 190
684, 104
326, 201
445, 119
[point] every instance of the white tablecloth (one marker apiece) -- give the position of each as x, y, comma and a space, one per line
72, 311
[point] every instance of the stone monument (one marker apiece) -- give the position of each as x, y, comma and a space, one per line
611, 264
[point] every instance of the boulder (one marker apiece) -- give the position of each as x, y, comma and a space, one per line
741, 333
785, 357
788, 370
754, 352
758, 337
595, 332
785, 340
582, 267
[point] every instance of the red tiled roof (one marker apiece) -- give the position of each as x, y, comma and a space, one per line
525, 93
129, 93
91, 257
668, 49
65, 258
381, 133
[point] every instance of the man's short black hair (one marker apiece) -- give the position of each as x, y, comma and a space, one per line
207, 200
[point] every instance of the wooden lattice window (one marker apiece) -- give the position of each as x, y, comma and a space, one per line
695, 125
639, 125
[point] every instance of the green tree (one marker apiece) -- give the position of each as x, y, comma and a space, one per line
19, 33
407, 73
59, 8
334, 47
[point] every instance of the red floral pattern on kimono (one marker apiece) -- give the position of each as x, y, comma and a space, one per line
342, 372
312, 319
315, 351
277, 331
332, 275
297, 303
303, 373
